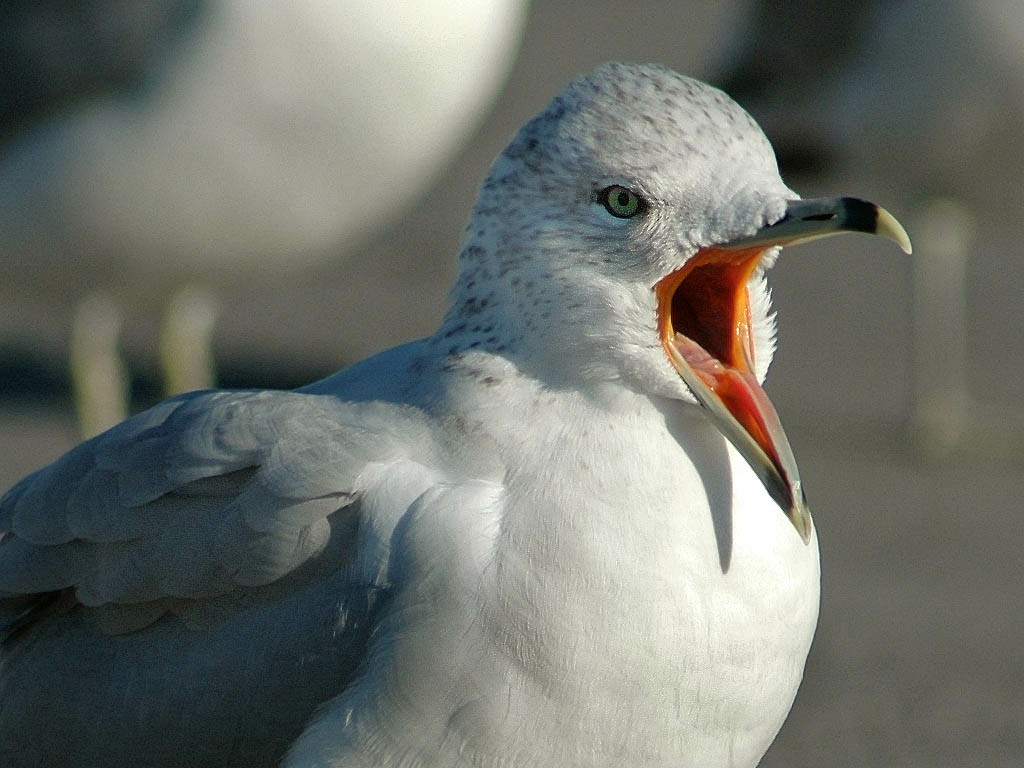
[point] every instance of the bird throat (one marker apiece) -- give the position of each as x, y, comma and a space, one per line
706, 302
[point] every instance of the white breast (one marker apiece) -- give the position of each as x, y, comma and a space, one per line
624, 599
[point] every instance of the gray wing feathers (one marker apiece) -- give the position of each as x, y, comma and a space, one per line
199, 496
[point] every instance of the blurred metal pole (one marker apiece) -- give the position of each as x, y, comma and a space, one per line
943, 231
186, 341
945, 418
99, 378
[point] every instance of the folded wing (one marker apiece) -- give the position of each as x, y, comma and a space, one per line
204, 496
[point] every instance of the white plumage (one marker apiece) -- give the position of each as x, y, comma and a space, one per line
518, 542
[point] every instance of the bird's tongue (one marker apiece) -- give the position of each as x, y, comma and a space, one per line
740, 393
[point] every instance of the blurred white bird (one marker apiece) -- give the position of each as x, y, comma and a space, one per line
565, 530
249, 140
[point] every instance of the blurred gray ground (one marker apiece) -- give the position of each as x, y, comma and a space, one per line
919, 659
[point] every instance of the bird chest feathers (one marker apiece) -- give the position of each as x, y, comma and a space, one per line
594, 621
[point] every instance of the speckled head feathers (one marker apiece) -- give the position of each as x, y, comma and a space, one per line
634, 113
686, 145
543, 255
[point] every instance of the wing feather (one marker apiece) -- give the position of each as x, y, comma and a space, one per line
205, 494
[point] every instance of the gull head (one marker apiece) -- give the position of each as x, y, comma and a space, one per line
621, 241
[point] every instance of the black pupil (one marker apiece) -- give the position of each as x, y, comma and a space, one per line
623, 198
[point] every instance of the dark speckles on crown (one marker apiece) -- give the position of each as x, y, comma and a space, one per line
455, 330
535, 229
557, 109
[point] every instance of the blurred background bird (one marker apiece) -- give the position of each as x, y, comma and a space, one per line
156, 151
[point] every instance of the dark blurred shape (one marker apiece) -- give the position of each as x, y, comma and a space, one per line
54, 54
786, 58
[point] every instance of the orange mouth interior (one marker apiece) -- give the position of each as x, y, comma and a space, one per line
706, 301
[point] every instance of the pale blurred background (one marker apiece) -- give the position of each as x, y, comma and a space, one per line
307, 168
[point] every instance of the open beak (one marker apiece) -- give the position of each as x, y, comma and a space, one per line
705, 326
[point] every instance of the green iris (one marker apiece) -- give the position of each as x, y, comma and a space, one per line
621, 202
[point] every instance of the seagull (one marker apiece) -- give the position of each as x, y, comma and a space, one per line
567, 529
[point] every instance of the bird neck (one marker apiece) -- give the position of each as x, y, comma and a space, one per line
556, 319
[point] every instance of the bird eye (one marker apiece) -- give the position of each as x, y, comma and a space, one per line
621, 202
